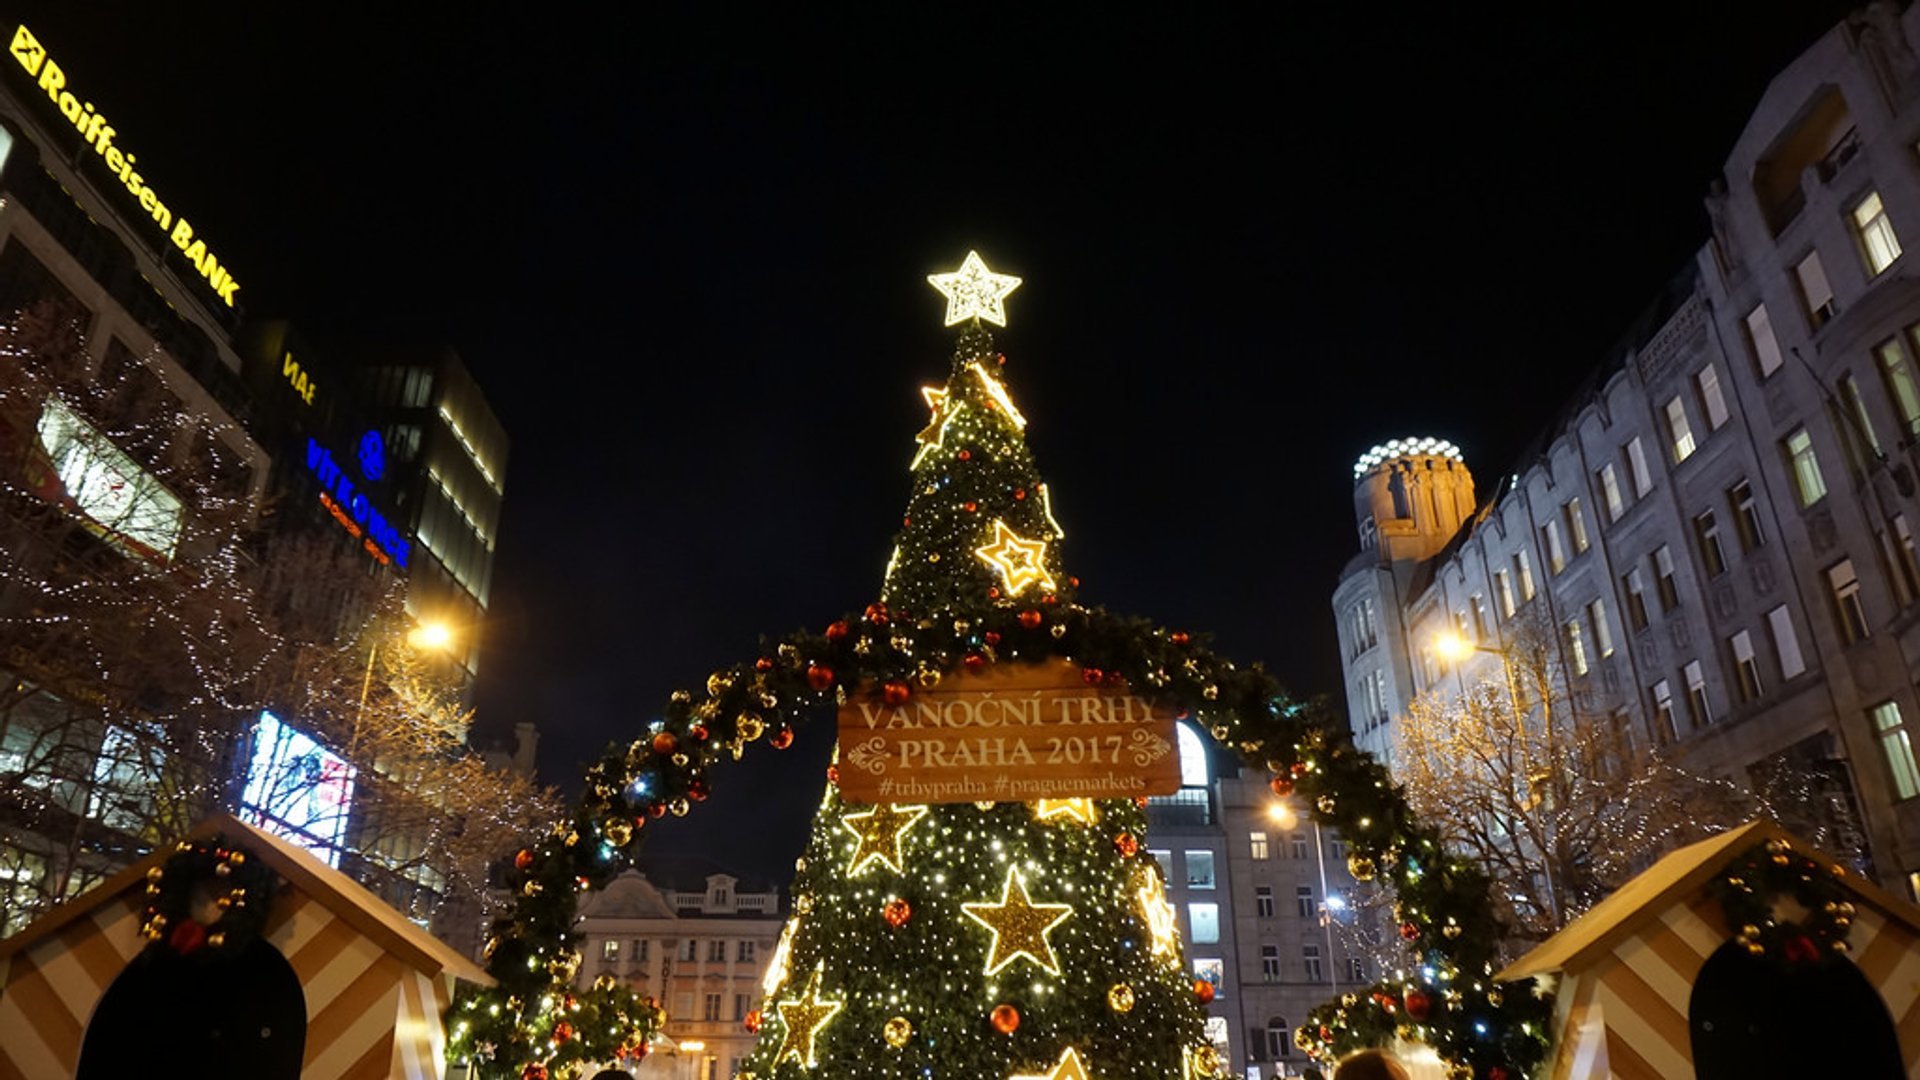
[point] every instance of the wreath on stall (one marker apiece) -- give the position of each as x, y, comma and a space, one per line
209, 899
532, 1021
1753, 890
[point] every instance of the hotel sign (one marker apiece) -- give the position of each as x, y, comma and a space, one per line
51, 79
1012, 733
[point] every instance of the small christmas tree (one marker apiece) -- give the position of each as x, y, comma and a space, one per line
990, 940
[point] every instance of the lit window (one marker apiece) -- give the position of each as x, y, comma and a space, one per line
1713, 400
1897, 372
1862, 420
1786, 643
610, 950
1663, 729
1503, 588
1808, 484
1610, 490
1898, 749
1637, 468
1849, 611
689, 951
1576, 647
1636, 591
1576, 525
1663, 578
124, 502
1602, 633
1199, 869
1746, 515
1258, 843
1906, 557
1478, 605
1523, 569
1746, 668
1680, 434
1203, 921
1815, 293
1556, 551
1766, 350
1699, 708
1706, 535
1165, 859
1870, 226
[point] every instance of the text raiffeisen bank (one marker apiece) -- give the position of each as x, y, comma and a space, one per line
98, 134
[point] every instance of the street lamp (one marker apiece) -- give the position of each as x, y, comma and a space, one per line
1283, 815
428, 634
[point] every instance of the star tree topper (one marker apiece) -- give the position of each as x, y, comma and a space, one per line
975, 292
1019, 926
1070, 1067
880, 831
803, 1020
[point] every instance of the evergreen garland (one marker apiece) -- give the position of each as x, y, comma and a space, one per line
199, 874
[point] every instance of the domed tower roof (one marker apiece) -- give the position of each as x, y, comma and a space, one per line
1410, 497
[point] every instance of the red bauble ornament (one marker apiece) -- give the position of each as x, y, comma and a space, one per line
837, 630
664, 743
764, 664
1419, 1005
781, 738
975, 661
698, 789
1496, 1072
534, 1071
833, 775
699, 733
1800, 949
876, 614
523, 860
819, 676
1409, 932
1114, 678
1006, 1019
562, 1031
1019, 494
1126, 845
895, 693
966, 455
753, 1021
655, 810
1299, 768
897, 912
969, 506
992, 637
1281, 785
1051, 599
1031, 619
1181, 637
993, 592
1203, 991
1002, 357
1092, 676
187, 937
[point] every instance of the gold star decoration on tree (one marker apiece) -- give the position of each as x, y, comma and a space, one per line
975, 292
1160, 916
1021, 562
1070, 1067
1080, 810
803, 1020
1019, 926
935, 433
880, 831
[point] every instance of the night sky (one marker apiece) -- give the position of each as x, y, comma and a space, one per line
685, 257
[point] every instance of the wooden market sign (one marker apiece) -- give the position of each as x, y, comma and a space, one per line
1009, 733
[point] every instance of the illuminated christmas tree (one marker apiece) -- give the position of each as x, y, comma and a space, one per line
1007, 939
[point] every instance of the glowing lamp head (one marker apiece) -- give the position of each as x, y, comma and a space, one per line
1282, 814
431, 635
1451, 647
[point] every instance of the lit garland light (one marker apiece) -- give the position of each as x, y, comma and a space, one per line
1020, 562
879, 832
975, 292
1019, 926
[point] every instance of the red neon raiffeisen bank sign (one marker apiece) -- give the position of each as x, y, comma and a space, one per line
51, 79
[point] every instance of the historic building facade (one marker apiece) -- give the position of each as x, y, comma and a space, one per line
1718, 531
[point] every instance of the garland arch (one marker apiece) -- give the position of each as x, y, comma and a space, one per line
537, 1026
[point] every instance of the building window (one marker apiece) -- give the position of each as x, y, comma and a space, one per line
1310, 958
717, 951
1863, 421
1662, 719
1663, 578
1679, 433
1270, 963
1898, 749
1477, 604
1279, 1041
1878, 244
1636, 592
1602, 633
1523, 570
1786, 643
710, 1007
1699, 708
740, 1006
1815, 294
1303, 901
1609, 478
1713, 400
1551, 543
610, 950
1258, 843
1165, 859
1357, 970
1746, 669
1807, 481
1849, 611
1203, 922
1706, 535
745, 953
1746, 516
1576, 526
689, 951
1766, 350
1897, 373
1905, 555
1263, 901
1503, 588
1199, 869
640, 950
1299, 844
1637, 468
1576, 647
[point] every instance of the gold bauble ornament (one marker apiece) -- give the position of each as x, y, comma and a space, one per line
1120, 997
719, 683
750, 727
1361, 867
897, 1031
928, 678
618, 832
1208, 1060
803, 903
679, 807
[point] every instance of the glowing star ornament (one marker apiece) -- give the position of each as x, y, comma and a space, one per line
975, 292
803, 1020
777, 967
1070, 1067
934, 435
880, 831
1080, 810
1021, 562
1161, 918
1019, 926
